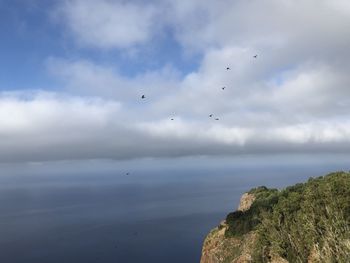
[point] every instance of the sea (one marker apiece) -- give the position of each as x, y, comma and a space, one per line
151, 210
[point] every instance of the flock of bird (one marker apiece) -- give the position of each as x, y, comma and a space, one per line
210, 115
223, 88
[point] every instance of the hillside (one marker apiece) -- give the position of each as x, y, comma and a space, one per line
307, 222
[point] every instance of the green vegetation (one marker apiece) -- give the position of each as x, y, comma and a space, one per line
310, 220
241, 223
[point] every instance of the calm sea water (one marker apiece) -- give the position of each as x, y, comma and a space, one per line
159, 214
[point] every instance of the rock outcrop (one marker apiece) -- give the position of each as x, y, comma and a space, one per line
246, 202
218, 248
307, 222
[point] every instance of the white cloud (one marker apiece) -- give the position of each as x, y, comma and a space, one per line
85, 77
301, 109
263, 24
47, 126
108, 24
200, 25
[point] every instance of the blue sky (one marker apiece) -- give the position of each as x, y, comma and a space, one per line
73, 72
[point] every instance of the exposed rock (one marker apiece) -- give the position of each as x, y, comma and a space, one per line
218, 248
246, 202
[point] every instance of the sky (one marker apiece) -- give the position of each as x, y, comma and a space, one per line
72, 74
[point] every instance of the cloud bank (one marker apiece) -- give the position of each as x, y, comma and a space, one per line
46, 127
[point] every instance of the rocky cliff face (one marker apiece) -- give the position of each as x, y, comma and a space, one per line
246, 202
218, 248
307, 222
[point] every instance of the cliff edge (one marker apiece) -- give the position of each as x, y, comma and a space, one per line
307, 222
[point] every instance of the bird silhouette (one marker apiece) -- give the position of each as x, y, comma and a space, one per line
217, 119
172, 119
143, 97
255, 56
211, 115
127, 173
223, 88
228, 68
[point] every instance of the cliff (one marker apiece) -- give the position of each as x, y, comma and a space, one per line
307, 222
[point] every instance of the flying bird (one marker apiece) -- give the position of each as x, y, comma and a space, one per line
217, 119
211, 115
228, 68
255, 56
172, 119
127, 173
143, 97
223, 88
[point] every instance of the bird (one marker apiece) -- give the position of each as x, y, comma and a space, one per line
211, 115
217, 119
223, 88
228, 68
172, 119
127, 173
255, 56
143, 97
